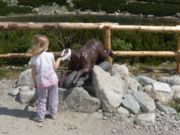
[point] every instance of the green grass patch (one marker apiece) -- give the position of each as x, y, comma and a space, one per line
14, 9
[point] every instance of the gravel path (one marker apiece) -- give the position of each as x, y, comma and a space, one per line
15, 121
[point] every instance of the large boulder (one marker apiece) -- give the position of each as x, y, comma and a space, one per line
25, 78
165, 109
108, 89
120, 70
176, 96
163, 97
144, 80
133, 84
146, 103
130, 103
172, 80
145, 119
79, 100
26, 94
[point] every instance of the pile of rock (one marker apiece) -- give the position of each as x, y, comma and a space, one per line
115, 91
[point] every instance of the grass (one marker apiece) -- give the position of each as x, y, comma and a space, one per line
14, 9
10, 72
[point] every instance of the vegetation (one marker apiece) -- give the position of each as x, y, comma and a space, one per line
14, 9
158, 8
20, 41
38, 3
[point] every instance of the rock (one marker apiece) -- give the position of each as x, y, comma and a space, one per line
145, 101
162, 97
144, 80
176, 96
166, 109
130, 103
14, 91
79, 100
178, 15
133, 84
172, 80
68, 83
107, 88
145, 119
122, 82
159, 86
148, 88
26, 94
123, 111
106, 66
120, 70
150, 16
25, 78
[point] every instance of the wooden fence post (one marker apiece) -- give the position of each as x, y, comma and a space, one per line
178, 53
107, 41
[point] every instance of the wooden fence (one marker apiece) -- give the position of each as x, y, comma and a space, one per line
107, 28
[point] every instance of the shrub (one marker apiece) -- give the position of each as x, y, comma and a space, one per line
2, 4
38, 3
14, 9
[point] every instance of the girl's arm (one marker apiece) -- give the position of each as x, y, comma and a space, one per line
56, 63
33, 73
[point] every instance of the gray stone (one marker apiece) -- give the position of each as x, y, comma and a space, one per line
130, 103
162, 97
123, 111
145, 119
120, 70
172, 80
166, 109
26, 94
178, 15
176, 96
159, 86
14, 91
144, 80
105, 65
145, 101
25, 78
133, 84
123, 83
150, 16
107, 88
79, 100
148, 88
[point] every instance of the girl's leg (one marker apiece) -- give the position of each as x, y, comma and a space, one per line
53, 99
42, 95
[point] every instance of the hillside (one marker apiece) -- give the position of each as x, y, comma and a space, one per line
145, 7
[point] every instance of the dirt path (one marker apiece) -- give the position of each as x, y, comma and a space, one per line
15, 121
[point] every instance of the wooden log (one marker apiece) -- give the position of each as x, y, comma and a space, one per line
146, 28
23, 55
116, 53
79, 26
47, 26
144, 53
107, 41
178, 53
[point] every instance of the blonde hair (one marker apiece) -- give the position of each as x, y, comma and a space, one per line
40, 44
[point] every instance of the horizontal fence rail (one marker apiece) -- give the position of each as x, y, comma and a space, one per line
107, 28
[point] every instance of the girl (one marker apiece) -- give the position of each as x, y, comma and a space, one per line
44, 77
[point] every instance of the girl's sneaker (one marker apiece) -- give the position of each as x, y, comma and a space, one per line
38, 119
50, 116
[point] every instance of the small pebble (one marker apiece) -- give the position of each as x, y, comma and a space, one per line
105, 118
40, 125
114, 131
